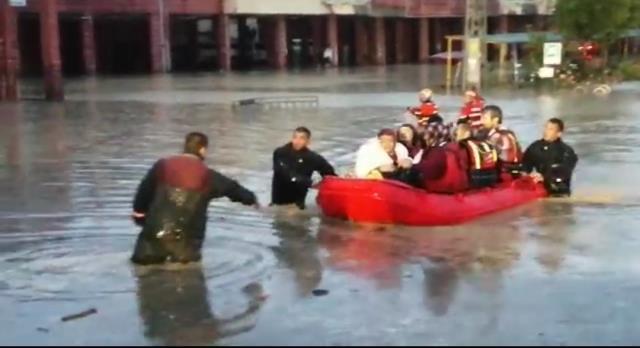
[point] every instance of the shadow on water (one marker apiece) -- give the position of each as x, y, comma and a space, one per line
298, 250
555, 220
175, 308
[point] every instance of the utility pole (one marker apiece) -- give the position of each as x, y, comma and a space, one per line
475, 49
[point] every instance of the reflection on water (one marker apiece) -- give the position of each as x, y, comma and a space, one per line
298, 250
175, 308
68, 172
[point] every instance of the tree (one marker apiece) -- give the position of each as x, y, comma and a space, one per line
596, 20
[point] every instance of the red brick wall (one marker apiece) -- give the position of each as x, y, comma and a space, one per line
207, 7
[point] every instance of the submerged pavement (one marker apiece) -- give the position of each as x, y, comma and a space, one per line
553, 272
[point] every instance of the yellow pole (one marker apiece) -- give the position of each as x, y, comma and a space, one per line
449, 63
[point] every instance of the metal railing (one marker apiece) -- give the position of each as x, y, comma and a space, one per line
288, 102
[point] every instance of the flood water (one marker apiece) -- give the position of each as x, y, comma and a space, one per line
552, 272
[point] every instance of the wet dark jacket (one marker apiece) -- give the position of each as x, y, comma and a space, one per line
174, 197
555, 161
292, 171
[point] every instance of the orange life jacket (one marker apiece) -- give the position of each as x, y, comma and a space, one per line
483, 163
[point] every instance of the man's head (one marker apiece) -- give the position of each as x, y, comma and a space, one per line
301, 138
196, 143
387, 138
470, 95
491, 117
553, 129
463, 132
407, 134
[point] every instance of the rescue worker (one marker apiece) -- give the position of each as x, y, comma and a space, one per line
408, 136
171, 204
293, 166
427, 112
471, 112
505, 142
552, 159
482, 158
382, 157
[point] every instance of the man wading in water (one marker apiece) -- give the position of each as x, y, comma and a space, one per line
171, 204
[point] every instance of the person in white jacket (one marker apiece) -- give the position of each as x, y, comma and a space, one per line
381, 157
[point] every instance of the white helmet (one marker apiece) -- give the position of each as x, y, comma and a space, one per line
425, 95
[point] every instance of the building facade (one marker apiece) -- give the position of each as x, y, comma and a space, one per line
57, 38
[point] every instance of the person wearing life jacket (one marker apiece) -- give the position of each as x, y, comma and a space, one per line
408, 136
382, 157
442, 167
427, 112
171, 205
553, 160
505, 142
482, 158
471, 112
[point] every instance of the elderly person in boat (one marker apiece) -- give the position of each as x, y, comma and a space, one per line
382, 157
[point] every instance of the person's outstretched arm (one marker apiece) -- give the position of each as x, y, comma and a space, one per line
570, 158
324, 168
223, 186
144, 195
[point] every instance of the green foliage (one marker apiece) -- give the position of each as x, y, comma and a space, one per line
629, 70
597, 20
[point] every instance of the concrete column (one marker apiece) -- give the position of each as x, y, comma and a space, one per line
380, 54
503, 26
280, 43
224, 43
156, 43
362, 41
88, 45
400, 33
437, 31
317, 35
332, 38
51, 60
8, 53
423, 41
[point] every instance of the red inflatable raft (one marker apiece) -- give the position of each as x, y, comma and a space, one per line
390, 202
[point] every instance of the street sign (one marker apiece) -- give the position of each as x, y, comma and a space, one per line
546, 72
552, 53
18, 3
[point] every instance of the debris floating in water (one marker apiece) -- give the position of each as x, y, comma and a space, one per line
320, 292
80, 315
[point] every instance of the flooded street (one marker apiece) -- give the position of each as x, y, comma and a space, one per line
551, 273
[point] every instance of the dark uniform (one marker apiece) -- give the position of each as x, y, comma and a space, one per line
555, 161
292, 171
174, 197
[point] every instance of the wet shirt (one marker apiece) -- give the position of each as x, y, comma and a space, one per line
554, 160
174, 197
292, 171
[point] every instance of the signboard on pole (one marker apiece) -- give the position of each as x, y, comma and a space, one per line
552, 53
18, 3
473, 60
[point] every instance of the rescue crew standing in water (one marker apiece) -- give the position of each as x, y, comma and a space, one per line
427, 112
293, 166
171, 204
552, 159
471, 112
